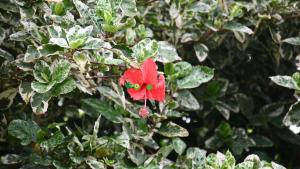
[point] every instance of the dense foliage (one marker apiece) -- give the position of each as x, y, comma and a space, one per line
62, 105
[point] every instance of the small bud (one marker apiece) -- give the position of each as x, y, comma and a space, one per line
144, 113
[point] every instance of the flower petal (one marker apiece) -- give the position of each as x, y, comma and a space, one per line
137, 94
149, 71
133, 76
158, 91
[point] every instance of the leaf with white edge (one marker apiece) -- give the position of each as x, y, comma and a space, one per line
96, 107
82, 8
49, 50
31, 54
55, 31
199, 7
285, 81
60, 42
42, 72
145, 49
6, 55
166, 52
235, 26
93, 43
187, 100
9, 95
60, 71
293, 41
128, 7
2, 35
199, 75
293, 115
224, 109
39, 102
10, 159
67, 86
137, 155
19, 36
41, 87
201, 51
26, 131
178, 145
81, 59
277, 166
94, 164
25, 91
196, 156
173, 130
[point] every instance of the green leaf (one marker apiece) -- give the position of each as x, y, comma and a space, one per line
42, 72
42, 87
26, 131
199, 75
166, 52
285, 81
293, 115
97, 107
245, 165
292, 41
39, 102
178, 145
77, 36
145, 49
235, 26
262, 141
54, 141
25, 91
182, 69
201, 51
60, 71
173, 130
64, 87
229, 161
128, 7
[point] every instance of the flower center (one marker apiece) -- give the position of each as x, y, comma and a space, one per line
149, 87
136, 87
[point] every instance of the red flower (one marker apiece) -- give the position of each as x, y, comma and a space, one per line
144, 83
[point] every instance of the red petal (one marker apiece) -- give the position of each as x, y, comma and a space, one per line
133, 76
158, 91
149, 70
137, 94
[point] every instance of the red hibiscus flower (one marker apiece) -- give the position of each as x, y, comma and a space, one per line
144, 83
